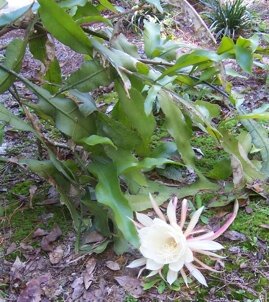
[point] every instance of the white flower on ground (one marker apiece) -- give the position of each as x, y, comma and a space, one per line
164, 241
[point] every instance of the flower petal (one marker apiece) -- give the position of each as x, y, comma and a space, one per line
171, 276
184, 276
208, 253
206, 266
156, 208
152, 265
204, 236
228, 222
171, 212
176, 266
184, 209
193, 222
137, 263
188, 255
153, 273
196, 274
144, 219
207, 245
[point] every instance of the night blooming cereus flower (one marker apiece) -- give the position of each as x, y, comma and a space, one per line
164, 241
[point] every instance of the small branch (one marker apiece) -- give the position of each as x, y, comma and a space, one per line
93, 33
129, 11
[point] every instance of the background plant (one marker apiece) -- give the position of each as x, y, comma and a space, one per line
108, 175
227, 18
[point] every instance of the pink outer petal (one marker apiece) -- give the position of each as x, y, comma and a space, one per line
156, 208
221, 230
184, 276
184, 210
206, 266
207, 253
202, 237
193, 222
171, 211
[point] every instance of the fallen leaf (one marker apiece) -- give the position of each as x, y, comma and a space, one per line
77, 285
114, 266
88, 273
33, 290
92, 237
39, 233
131, 285
50, 238
11, 248
235, 236
17, 269
56, 255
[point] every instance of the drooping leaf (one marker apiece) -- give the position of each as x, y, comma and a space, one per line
63, 27
37, 44
96, 140
108, 192
13, 60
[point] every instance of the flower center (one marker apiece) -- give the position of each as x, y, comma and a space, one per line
170, 244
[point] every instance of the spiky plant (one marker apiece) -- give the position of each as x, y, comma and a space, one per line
227, 17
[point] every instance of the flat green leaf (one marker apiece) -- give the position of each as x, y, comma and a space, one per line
232, 146
134, 115
53, 77
63, 27
1, 133
85, 101
140, 202
226, 45
12, 120
121, 43
108, 192
108, 5
37, 44
178, 128
71, 3
88, 77
152, 38
13, 60
96, 140
244, 58
157, 4
259, 138
213, 109
222, 170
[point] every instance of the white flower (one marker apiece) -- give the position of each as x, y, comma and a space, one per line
165, 243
